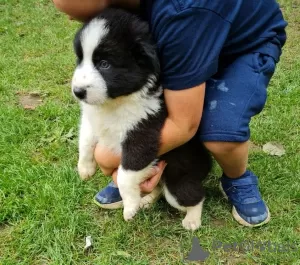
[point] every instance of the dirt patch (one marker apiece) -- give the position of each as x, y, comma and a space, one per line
30, 101
218, 222
234, 259
5, 231
254, 147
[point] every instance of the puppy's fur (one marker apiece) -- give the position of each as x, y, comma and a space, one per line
117, 83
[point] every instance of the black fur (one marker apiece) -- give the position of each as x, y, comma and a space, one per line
141, 145
188, 165
131, 53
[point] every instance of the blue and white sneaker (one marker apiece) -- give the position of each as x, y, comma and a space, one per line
109, 197
248, 207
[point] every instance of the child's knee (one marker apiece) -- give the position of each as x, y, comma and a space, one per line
223, 148
104, 160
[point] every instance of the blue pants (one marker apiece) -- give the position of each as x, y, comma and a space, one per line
234, 95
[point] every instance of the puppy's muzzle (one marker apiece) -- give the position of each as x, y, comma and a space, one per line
80, 92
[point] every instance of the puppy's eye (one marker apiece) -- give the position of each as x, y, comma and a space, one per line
104, 64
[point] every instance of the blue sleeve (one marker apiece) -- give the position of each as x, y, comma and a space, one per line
189, 45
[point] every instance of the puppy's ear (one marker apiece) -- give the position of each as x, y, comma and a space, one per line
148, 48
145, 47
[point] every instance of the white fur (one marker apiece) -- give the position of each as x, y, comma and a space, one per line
85, 75
192, 220
109, 124
151, 197
87, 143
92, 36
111, 121
128, 183
172, 200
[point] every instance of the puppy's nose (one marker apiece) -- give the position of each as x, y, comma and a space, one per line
79, 92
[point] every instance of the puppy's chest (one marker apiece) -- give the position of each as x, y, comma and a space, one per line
111, 129
111, 125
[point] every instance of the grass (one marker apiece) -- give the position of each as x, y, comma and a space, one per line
46, 211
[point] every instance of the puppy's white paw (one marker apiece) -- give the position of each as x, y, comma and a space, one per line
86, 169
191, 224
129, 213
146, 201
149, 199
145, 204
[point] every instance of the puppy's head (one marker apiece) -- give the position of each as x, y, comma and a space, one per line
115, 57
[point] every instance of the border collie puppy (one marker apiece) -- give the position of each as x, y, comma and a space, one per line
117, 83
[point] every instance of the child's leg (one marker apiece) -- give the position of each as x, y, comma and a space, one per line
238, 185
232, 157
233, 96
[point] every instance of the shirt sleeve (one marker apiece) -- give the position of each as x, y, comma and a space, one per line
189, 45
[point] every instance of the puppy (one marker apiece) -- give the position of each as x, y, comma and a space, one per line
117, 83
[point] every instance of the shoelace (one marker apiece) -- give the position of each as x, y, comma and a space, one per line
244, 192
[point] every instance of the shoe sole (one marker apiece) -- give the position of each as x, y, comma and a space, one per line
111, 206
238, 218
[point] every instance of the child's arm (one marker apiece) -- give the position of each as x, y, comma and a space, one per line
184, 115
80, 10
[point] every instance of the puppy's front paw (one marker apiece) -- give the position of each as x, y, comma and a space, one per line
149, 199
191, 224
129, 213
86, 169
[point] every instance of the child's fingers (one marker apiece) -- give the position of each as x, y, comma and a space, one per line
114, 176
148, 185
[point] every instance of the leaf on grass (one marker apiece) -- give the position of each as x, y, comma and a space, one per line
88, 243
30, 101
274, 149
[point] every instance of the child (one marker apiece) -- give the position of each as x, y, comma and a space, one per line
217, 58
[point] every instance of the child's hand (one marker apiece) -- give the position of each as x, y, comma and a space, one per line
109, 163
149, 184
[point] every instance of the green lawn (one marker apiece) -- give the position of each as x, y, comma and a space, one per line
46, 211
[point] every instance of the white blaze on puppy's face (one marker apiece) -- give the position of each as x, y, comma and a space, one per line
86, 78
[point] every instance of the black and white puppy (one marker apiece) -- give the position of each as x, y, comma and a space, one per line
122, 107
